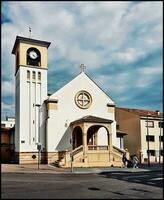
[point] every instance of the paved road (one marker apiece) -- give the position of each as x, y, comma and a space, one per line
154, 178
105, 185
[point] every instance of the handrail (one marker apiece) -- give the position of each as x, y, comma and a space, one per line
77, 150
97, 147
119, 150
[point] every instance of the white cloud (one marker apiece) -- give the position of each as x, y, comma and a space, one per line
8, 89
93, 33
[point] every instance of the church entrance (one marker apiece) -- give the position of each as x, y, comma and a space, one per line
92, 141
77, 137
97, 138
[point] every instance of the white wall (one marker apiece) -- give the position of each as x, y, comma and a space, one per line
30, 93
68, 111
155, 131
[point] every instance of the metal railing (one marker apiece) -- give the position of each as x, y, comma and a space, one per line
77, 150
95, 147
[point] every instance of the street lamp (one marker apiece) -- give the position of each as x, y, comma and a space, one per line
39, 146
160, 124
148, 153
71, 155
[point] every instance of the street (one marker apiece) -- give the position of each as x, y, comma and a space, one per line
105, 185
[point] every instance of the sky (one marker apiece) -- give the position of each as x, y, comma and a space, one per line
119, 42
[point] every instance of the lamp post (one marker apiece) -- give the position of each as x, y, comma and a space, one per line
38, 144
71, 141
148, 153
160, 124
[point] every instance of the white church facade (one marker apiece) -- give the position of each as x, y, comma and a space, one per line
76, 124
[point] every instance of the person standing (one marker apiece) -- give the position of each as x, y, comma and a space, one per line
135, 161
124, 160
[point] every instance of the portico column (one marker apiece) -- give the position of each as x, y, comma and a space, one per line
110, 146
85, 147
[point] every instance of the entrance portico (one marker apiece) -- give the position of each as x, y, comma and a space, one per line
85, 136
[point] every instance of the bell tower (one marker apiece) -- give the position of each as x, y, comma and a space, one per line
30, 94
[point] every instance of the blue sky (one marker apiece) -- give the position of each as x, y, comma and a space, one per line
120, 44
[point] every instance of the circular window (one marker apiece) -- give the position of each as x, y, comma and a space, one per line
83, 99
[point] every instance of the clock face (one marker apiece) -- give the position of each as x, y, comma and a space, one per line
33, 54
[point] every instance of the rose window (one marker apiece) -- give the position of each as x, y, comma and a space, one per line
83, 99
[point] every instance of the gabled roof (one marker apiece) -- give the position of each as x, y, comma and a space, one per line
99, 87
141, 112
88, 78
92, 119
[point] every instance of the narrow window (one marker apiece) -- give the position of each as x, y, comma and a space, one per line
151, 152
150, 138
117, 126
28, 74
161, 138
39, 76
160, 124
33, 75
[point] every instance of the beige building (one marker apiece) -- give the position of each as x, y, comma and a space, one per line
144, 130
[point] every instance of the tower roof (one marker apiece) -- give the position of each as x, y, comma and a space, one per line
29, 41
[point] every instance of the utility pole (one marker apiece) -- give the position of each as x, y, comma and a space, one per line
160, 126
148, 153
39, 145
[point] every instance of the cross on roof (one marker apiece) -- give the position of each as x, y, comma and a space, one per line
30, 32
82, 67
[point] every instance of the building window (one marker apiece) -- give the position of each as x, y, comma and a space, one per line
3, 125
33, 75
150, 138
149, 124
28, 74
161, 138
39, 76
161, 152
117, 126
151, 152
160, 124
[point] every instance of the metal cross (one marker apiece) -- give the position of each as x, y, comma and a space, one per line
82, 67
30, 32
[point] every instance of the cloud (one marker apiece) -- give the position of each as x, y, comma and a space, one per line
119, 42
8, 89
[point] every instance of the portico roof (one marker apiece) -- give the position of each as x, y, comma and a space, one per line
92, 119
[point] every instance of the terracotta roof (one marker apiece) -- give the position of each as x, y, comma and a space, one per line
142, 113
93, 119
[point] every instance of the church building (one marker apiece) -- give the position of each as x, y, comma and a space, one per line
74, 125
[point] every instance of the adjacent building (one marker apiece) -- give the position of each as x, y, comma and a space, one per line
7, 140
144, 130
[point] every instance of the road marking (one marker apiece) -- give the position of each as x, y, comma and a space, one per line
156, 179
151, 183
135, 180
127, 177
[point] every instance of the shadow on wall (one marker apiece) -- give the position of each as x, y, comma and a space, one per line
65, 143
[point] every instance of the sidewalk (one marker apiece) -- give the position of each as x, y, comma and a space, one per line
43, 168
